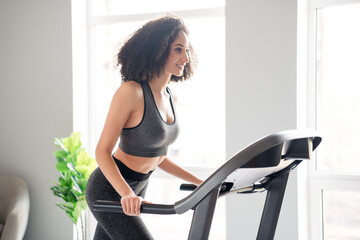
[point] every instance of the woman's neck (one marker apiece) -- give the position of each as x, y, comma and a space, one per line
158, 84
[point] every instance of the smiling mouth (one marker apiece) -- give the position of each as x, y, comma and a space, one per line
181, 67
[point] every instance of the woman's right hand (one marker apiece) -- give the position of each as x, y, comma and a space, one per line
131, 204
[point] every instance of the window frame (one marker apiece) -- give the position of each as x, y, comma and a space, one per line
98, 20
83, 60
83, 23
311, 181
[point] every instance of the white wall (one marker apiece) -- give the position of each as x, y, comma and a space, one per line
260, 98
35, 103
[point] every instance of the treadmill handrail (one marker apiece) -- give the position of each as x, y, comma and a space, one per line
238, 160
115, 206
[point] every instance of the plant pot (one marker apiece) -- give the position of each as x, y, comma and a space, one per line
80, 228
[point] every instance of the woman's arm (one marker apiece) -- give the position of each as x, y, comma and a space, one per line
172, 168
124, 102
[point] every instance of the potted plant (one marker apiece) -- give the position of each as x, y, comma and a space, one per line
75, 166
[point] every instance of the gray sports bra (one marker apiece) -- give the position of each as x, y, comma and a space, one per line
152, 136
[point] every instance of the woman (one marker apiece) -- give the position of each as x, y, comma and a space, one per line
142, 114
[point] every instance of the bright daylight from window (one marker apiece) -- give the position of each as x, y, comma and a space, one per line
200, 102
338, 115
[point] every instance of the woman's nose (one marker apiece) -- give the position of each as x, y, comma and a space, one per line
185, 58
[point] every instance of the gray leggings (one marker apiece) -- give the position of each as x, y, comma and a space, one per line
116, 226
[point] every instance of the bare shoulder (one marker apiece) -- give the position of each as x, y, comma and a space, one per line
130, 90
128, 96
131, 85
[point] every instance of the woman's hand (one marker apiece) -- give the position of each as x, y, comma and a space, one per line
198, 182
131, 204
170, 167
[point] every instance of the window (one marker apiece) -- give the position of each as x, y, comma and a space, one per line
115, 7
200, 101
338, 88
333, 103
340, 214
202, 136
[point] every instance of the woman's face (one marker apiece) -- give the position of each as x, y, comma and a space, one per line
178, 55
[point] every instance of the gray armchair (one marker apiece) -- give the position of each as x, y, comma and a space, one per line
14, 208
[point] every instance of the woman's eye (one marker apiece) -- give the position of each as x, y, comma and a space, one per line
178, 50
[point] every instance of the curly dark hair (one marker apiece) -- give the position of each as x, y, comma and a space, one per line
144, 53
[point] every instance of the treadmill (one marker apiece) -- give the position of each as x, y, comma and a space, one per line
263, 166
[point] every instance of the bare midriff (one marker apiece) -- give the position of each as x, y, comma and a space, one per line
138, 164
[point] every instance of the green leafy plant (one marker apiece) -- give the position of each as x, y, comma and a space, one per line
75, 166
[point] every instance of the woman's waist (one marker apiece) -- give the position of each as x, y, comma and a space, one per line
142, 165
